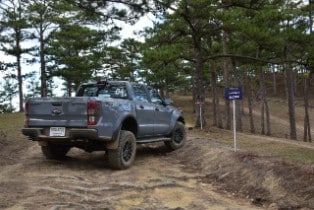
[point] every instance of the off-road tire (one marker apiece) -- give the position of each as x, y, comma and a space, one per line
124, 156
55, 151
178, 137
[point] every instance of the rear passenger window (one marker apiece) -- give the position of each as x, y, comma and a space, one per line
104, 91
140, 93
113, 91
89, 91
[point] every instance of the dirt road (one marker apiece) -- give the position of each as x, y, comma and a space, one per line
203, 174
157, 180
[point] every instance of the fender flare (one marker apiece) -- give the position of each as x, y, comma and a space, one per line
114, 143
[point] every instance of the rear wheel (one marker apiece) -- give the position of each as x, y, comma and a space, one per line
178, 137
54, 151
123, 157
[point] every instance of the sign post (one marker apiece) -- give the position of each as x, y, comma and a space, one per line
200, 104
234, 93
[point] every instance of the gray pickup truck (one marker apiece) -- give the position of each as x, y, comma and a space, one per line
111, 116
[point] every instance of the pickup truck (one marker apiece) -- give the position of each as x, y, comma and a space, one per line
110, 116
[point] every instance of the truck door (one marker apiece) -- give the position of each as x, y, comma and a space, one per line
162, 113
144, 111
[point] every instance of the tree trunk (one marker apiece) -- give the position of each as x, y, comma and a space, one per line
69, 87
262, 98
290, 98
199, 84
220, 124
274, 82
307, 127
268, 126
213, 79
263, 119
239, 115
237, 83
226, 64
264, 108
250, 104
43, 76
217, 121
194, 95
307, 79
20, 81
19, 68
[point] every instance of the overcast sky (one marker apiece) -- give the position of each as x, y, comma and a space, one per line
126, 32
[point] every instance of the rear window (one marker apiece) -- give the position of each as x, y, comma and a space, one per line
105, 91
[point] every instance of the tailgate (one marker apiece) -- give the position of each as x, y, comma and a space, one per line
65, 112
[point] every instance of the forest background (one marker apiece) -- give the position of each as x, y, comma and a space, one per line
196, 47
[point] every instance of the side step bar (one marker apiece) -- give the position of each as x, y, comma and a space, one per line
151, 140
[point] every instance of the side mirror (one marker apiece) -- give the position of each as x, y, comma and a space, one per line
168, 101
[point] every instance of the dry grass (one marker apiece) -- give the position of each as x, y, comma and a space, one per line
11, 124
12, 141
277, 145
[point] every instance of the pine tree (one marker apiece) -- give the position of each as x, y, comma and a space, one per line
43, 16
76, 52
13, 35
7, 93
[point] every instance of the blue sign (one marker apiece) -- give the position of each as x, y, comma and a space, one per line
233, 93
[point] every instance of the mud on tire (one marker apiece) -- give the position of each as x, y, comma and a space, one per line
123, 157
178, 137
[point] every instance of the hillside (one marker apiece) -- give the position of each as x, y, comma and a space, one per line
265, 172
278, 115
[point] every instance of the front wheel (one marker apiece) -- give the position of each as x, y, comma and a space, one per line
124, 156
178, 137
55, 151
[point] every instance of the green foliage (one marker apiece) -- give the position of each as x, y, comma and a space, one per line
14, 33
8, 90
33, 86
110, 10
122, 63
162, 67
14, 25
77, 39
76, 52
48, 18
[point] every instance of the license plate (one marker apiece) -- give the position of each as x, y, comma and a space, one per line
57, 131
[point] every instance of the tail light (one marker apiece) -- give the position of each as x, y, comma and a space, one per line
93, 112
26, 110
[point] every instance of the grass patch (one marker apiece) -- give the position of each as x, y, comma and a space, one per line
302, 155
11, 125
12, 141
276, 146
275, 149
11, 121
263, 146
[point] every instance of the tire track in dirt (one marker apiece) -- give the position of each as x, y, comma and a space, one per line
157, 180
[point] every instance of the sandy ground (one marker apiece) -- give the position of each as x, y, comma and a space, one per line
201, 175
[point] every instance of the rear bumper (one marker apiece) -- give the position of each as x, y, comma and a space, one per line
42, 134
